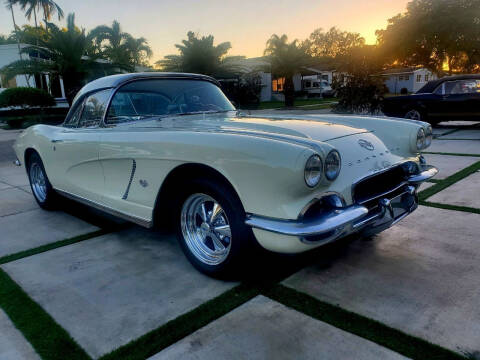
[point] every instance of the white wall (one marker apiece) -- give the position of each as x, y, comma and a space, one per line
422, 72
9, 54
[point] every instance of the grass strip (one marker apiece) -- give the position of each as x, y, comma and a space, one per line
22, 254
450, 207
469, 139
451, 154
425, 194
176, 329
48, 338
364, 327
446, 133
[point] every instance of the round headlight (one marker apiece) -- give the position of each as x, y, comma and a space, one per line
333, 164
420, 139
428, 136
313, 170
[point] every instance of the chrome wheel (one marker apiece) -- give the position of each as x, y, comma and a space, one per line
38, 181
205, 229
413, 115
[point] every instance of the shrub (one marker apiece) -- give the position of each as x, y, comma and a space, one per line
245, 92
359, 94
26, 97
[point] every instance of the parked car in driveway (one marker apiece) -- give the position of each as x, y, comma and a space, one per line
448, 98
168, 147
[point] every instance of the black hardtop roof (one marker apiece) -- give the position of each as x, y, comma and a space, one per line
113, 81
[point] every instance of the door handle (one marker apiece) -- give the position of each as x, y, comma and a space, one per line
56, 140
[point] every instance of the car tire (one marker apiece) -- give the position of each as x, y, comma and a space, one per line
415, 114
42, 189
207, 212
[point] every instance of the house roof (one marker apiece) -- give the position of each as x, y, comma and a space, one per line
405, 70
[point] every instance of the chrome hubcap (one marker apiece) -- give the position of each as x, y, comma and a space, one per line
206, 229
413, 115
38, 181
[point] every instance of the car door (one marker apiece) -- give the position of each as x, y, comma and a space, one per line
456, 100
76, 150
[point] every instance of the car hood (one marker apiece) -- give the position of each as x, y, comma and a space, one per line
303, 127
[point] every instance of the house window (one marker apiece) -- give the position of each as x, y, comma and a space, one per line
278, 85
426, 77
41, 81
419, 78
406, 78
400, 77
308, 84
325, 77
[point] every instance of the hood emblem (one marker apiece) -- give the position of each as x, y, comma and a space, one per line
366, 144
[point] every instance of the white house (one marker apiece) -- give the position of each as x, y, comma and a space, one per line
8, 54
411, 79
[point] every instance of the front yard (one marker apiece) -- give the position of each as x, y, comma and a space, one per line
76, 284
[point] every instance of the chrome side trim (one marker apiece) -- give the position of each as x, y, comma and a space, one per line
332, 221
134, 167
427, 172
137, 220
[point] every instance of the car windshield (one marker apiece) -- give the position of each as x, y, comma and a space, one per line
143, 99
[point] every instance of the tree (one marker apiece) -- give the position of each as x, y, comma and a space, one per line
139, 50
199, 55
286, 60
29, 34
332, 43
62, 54
7, 40
119, 47
434, 34
9, 4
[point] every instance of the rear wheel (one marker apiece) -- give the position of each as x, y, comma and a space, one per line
41, 188
211, 228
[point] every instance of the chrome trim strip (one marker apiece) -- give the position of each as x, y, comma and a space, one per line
332, 221
134, 167
427, 172
402, 184
140, 221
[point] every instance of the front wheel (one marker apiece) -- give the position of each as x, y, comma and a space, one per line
211, 228
41, 188
415, 114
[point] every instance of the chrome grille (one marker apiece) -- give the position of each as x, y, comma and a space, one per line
386, 183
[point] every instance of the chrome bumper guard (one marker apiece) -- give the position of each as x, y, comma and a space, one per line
343, 221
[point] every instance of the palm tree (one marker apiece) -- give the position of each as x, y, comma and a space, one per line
114, 42
286, 60
65, 50
30, 6
9, 4
139, 50
199, 55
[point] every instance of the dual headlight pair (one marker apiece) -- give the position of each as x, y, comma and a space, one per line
424, 137
314, 168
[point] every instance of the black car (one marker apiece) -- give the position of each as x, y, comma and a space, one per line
448, 98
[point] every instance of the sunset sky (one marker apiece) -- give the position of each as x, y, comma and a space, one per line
247, 24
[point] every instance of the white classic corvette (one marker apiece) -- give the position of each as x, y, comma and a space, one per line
150, 147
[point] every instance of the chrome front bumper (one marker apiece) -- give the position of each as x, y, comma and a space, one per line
342, 221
